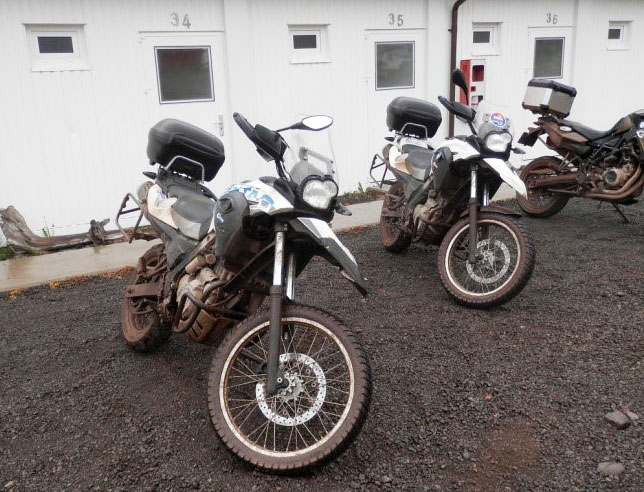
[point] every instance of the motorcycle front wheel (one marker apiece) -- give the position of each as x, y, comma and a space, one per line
504, 261
315, 414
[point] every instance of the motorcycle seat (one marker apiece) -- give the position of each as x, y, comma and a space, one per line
588, 132
192, 212
419, 161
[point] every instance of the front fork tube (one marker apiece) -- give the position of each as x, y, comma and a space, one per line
274, 378
474, 211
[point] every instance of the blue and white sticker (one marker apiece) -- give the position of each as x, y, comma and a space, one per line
258, 198
498, 120
641, 124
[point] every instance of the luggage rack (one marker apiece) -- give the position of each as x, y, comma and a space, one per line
134, 235
376, 165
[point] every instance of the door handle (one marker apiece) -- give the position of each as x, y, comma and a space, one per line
220, 122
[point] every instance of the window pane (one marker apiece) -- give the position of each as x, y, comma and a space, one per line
548, 57
615, 33
55, 44
394, 65
481, 36
304, 41
184, 74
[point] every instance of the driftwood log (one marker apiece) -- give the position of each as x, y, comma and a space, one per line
20, 238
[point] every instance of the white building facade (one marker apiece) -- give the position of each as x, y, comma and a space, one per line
83, 80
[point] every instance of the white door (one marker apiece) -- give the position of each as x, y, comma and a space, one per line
185, 79
549, 57
396, 67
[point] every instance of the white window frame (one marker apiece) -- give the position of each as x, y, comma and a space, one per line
624, 42
493, 46
187, 47
319, 54
57, 62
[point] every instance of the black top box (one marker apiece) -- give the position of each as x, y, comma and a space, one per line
170, 138
413, 117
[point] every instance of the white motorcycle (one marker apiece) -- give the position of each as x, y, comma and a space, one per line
289, 388
442, 196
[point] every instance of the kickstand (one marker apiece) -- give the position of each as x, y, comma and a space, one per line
626, 221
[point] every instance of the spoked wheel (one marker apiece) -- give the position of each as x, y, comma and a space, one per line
541, 202
392, 235
320, 406
504, 264
142, 328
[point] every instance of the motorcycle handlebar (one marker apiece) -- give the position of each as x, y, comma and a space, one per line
243, 123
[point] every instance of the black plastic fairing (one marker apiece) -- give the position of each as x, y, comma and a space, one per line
231, 211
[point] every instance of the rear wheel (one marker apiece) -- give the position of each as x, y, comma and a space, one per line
142, 327
540, 202
318, 411
392, 234
505, 260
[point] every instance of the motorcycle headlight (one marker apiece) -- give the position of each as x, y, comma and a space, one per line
318, 193
498, 142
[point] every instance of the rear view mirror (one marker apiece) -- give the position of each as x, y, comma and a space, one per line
316, 123
458, 79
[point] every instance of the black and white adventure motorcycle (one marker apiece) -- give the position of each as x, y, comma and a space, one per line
442, 196
289, 388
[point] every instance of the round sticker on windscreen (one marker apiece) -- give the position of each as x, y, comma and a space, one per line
498, 120
641, 124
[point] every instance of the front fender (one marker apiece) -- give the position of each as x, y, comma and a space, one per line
508, 175
333, 249
494, 209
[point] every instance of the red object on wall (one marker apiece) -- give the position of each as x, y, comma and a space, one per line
474, 71
466, 67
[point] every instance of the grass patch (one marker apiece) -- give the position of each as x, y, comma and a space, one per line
359, 196
6, 253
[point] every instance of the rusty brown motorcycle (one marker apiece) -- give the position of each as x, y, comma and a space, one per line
600, 165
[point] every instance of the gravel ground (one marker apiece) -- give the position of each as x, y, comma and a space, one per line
507, 399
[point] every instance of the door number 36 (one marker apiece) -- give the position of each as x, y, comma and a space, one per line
175, 20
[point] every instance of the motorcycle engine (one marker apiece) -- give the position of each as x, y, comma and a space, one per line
614, 172
201, 273
429, 223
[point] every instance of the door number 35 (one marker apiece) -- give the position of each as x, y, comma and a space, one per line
396, 20
175, 20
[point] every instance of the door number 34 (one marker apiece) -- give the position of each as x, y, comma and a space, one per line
175, 20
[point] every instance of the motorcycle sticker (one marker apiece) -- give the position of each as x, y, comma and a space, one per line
498, 120
260, 200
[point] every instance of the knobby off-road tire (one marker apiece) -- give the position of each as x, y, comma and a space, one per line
507, 252
393, 238
307, 423
145, 332
541, 203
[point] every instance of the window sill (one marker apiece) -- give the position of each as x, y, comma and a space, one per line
309, 61
486, 53
60, 67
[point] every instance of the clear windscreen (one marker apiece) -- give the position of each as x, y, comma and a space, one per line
488, 119
310, 153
